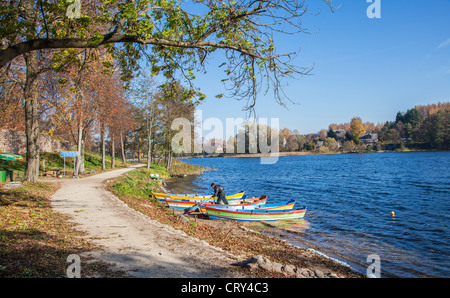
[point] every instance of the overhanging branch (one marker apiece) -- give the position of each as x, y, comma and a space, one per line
13, 51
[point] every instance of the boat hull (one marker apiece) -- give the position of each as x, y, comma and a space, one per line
163, 197
183, 204
286, 205
255, 215
237, 204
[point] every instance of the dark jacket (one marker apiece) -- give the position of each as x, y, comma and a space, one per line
219, 191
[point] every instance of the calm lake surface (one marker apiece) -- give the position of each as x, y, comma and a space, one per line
350, 198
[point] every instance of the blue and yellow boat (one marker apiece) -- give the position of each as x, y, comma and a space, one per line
195, 198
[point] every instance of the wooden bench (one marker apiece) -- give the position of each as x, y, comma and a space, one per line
53, 172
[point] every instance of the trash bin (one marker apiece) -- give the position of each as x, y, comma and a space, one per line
7, 173
2, 176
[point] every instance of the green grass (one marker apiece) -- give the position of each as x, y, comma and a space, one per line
138, 183
180, 168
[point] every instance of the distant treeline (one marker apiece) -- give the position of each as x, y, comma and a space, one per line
422, 127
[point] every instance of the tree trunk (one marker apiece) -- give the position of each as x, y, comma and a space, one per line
113, 153
169, 157
79, 146
169, 160
31, 118
102, 139
149, 151
81, 157
122, 148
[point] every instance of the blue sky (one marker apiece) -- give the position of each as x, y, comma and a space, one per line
370, 68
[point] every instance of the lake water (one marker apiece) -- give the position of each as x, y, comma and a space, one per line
350, 198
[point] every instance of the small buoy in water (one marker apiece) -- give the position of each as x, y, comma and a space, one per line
392, 213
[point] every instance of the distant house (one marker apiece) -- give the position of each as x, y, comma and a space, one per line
340, 134
319, 144
219, 148
369, 138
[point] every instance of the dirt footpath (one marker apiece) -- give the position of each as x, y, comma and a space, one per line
131, 241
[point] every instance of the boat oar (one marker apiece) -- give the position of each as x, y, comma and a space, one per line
195, 207
190, 209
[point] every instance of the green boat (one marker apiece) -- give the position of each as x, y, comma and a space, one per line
10, 157
254, 215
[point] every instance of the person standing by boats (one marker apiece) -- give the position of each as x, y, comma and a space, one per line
219, 193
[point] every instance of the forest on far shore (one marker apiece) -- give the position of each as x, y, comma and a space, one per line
424, 127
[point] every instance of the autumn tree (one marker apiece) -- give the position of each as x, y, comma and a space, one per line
323, 134
143, 95
330, 143
285, 133
172, 101
83, 99
292, 143
118, 117
356, 128
21, 24
11, 96
126, 123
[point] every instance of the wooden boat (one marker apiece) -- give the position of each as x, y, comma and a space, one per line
183, 204
164, 196
12, 157
200, 198
285, 205
254, 215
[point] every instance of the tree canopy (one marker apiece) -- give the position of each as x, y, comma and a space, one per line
173, 36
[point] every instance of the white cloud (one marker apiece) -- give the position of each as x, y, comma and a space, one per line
444, 44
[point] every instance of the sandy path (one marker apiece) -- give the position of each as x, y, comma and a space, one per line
131, 241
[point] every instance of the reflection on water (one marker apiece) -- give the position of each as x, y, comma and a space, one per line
349, 199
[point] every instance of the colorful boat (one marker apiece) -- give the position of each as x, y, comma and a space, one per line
200, 198
183, 204
254, 215
251, 206
13, 157
164, 196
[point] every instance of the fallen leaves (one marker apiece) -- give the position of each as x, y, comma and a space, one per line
35, 240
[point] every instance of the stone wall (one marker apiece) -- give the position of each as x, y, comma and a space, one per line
15, 142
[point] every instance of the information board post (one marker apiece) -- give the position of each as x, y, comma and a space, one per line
65, 154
